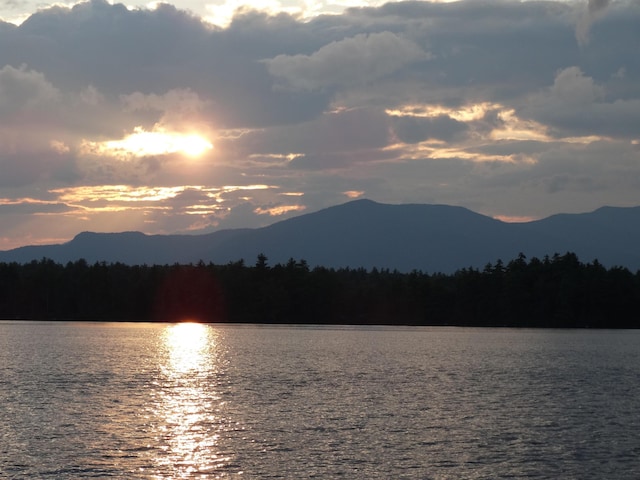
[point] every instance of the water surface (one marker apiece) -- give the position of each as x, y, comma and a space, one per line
158, 401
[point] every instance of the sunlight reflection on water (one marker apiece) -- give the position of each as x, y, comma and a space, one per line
187, 345
159, 401
189, 404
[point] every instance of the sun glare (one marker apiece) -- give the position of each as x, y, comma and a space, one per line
186, 413
143, 143
193, 145
187, 344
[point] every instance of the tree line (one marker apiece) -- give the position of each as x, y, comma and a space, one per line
558, 292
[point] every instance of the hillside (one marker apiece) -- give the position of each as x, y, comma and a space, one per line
363, 233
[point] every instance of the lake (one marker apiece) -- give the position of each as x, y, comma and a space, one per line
161, 401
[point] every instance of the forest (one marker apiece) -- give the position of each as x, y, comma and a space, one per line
553, 292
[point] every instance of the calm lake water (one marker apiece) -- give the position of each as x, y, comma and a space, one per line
152, 401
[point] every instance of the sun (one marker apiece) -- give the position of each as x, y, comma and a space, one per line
143, 143
193, 145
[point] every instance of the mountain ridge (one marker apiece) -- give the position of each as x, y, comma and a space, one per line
364, 233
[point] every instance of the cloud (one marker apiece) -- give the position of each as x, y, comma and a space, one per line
571, 86
238, 216
410, 129
184, 102
360, 59
29, 116
339, 134
24, 168
595, 9
120, 52
23, 91
490, 105
576, 105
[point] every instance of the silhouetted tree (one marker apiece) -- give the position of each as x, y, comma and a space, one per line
557, 291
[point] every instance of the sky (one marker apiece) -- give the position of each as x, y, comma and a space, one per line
197, 116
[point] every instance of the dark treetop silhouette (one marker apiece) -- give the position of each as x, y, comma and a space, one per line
558, 291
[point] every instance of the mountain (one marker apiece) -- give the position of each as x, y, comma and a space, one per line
363, 233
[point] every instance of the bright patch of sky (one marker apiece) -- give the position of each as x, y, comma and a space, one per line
219, 12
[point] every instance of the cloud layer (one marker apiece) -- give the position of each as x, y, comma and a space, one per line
514, 109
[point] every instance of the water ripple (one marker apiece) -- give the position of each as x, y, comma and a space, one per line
175, 401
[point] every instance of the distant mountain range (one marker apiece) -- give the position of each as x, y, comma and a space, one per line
363, 233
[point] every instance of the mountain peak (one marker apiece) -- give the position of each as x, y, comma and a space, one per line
364, 233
